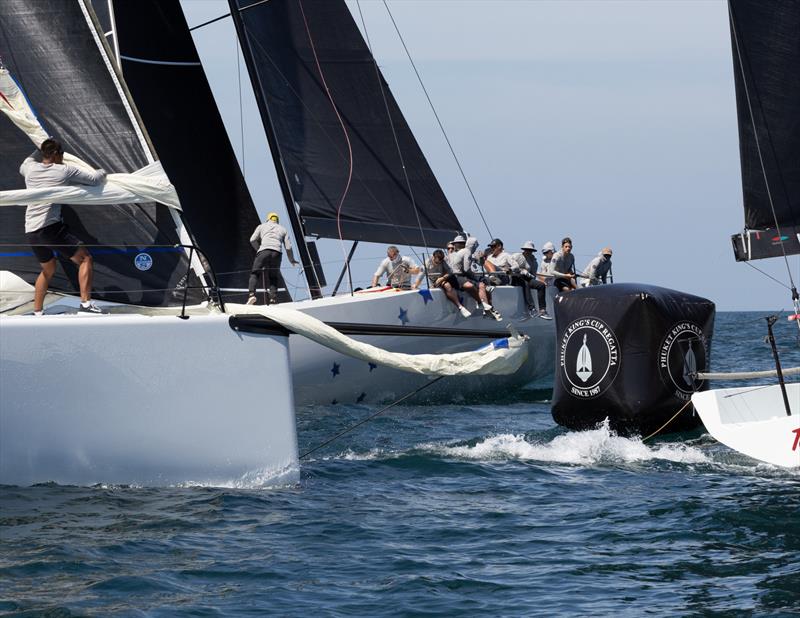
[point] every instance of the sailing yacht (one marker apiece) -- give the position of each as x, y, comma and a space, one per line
349, 168
162, 390
764, 421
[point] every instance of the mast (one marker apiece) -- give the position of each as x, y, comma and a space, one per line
298, 231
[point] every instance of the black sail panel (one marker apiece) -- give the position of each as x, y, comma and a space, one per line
72, 90
765, 38
300, 51
163, 72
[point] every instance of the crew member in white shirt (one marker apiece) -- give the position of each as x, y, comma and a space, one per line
398, 269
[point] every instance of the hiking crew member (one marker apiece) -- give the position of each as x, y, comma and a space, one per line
596, 273
562, 268
528, 267
397, 268
268, 240
461, 261
440, 275
44, 228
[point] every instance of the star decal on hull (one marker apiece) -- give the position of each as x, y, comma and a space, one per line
361, 397
403, 317
335, 370
426, 296
372, 366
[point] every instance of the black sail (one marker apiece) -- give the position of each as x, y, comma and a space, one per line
765, 38
163, 72
50, 48
300, 51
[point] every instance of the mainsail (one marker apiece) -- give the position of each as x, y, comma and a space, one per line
765, 37
322, 99
77, 97
163, 71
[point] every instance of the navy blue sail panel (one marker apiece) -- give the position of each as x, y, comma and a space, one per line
294, 50
163, 72
765, 38
50, 49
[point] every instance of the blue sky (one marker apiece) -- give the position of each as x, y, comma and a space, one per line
611, 122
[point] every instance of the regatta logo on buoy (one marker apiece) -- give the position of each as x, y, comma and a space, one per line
589, 358
143, 261
682, 354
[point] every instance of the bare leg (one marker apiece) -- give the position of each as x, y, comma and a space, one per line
469, 288
451, 294
42, 283
85, 270
484, 295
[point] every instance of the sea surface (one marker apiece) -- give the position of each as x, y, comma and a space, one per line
484, 509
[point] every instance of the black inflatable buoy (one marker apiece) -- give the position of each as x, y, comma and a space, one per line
628, 352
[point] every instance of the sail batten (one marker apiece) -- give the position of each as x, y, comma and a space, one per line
766, 57
324, 96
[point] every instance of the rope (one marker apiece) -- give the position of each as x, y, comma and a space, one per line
778, 281
668, 422
747, 375
441, 126
369, 418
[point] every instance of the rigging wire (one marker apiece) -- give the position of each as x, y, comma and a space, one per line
396, 143
795, 298
370, 417
778, 281
441, 126
241, 112
346, 137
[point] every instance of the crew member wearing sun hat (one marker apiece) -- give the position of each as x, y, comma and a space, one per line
460, 262
596, 272
268, 240
529, 266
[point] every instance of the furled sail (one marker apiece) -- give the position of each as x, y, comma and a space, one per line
320, 95
765, 37
163, 72
76, 96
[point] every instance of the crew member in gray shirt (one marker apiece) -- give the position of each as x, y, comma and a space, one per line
44, 228
596, 272
268, 240
563, 267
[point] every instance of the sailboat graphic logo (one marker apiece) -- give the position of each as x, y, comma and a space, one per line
683, 352
583, 369
589, 357
689, 367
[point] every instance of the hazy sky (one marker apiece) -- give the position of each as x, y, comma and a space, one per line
611, 122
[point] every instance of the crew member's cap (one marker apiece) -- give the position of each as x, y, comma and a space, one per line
528, 244
273, 216
496, 241
548, 246
459, 238
607, 251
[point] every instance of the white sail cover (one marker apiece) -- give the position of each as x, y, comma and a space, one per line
149, 184
500, 357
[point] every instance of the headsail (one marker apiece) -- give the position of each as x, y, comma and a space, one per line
76, 95
300, 51
766, 61
163, 71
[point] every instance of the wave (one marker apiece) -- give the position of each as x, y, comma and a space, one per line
601, 445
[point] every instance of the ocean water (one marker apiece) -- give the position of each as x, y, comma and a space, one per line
486, 509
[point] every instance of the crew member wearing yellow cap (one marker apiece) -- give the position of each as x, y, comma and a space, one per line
268, 240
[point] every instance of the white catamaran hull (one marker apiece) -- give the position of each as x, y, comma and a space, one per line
322, 376
753, 421
129, 399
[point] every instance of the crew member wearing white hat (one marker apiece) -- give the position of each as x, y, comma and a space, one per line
529, 266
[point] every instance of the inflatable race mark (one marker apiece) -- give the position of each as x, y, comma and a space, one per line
630, 353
